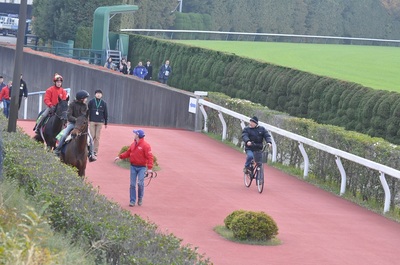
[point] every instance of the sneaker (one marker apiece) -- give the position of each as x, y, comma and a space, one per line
92, 158
131, 204
140, 202
246, 170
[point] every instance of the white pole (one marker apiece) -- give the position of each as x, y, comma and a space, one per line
180, 6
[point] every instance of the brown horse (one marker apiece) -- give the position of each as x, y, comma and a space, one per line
75, 152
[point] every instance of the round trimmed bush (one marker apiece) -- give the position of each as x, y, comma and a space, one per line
253, 226
229, 218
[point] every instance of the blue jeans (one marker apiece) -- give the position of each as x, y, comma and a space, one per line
252, 155
69, 128
6, 107
164, 80
137, 174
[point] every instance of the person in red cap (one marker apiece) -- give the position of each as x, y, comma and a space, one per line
253, 137
51, 99
141, 159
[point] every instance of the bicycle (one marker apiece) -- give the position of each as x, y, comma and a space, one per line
148, 177
256, 171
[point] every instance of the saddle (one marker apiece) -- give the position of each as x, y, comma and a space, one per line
69, 137
43, 123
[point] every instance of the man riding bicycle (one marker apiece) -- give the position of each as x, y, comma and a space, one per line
253, 136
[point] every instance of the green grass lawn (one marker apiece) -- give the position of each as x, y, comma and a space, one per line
371, 66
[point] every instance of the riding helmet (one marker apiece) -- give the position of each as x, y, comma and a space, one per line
82, 94
57, 77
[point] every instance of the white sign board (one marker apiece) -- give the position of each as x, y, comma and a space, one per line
192, 105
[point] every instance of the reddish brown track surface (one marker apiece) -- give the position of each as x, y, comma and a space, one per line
200, 183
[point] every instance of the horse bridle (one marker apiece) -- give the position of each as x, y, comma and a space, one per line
80, 133
58, 116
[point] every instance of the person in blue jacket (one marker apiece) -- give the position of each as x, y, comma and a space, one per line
140, 71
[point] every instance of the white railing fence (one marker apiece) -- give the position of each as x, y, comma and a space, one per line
288, 37
338, 154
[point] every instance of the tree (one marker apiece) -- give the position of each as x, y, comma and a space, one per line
154, 14
60, 19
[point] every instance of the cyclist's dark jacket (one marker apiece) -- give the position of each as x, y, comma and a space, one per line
255, 135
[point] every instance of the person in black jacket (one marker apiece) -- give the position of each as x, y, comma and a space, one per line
98, 115
165, 72
75, 109
253, 137
149, 68
23, 91
123, 67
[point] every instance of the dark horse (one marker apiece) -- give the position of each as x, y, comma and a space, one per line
75, 152
47, 134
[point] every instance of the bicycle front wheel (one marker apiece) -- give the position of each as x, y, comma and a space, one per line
247, 179
260, 179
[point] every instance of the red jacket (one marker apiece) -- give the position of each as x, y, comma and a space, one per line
51, 95
139, 154
5, 93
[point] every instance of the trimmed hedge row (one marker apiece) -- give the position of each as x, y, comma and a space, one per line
76, 208
361, 183
301, 94
25, 234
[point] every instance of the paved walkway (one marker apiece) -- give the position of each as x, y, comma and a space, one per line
200, 183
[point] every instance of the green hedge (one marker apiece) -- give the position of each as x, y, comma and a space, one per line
78, 209
25, 234
301, 94
361, 183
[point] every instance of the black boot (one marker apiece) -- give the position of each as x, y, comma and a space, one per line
57, 151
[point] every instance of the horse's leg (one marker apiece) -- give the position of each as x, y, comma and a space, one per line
81, 171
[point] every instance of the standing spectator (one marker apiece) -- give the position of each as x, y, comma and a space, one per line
123, 67
149, 69
140, 71
141, 160
129, 68
51, 97
98, 115
165, 72
5, 97
2, 84
23, 91
109, 64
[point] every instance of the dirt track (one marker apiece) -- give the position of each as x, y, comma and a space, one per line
200, 183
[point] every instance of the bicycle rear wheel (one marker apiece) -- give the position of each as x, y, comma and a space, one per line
247, 179
260, 179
